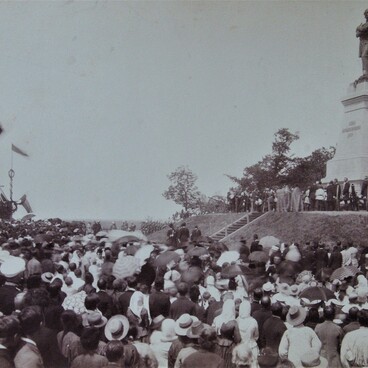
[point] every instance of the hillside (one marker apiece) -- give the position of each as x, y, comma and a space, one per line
208, 224
308, 226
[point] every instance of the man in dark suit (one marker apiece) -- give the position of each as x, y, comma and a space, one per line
261, 316
159, 302
337, 194
183, 235
363, 192
105, 304
273, 328
345, 192
183, 304
124, 298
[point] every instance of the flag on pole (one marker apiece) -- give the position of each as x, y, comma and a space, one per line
18, 150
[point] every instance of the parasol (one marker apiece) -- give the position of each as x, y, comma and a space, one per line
234, 270
317, 293
258, 256
122, 236
344, 272
164, 258
269, 241
143, 253
228, 257
125, 266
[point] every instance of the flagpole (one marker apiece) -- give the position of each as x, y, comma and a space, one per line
11, 175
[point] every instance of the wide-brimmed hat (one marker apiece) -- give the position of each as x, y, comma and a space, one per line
94, 319
183, 323
47, 277
284, 288
312, 359
195, 330
294, 290
268, 286
12, 266
157, 321
296, 315
117, 327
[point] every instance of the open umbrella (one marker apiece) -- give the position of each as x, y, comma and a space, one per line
344, 272
317, 293
233, 270
122, 236
258, 256
166, 257
228, 257
125, 266
143, 253
269, 241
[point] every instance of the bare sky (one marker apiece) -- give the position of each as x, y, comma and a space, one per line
107, 98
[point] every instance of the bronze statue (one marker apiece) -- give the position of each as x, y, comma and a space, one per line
362, 33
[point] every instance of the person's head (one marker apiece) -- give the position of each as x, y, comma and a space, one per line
90, 338
266, 302
276, 309
72, 266
183, 288
69, 321
366, 14
194, 293
363, 318
353, 314
329, 312
132, 282
30, 320
68, 281
207, 339
313, 315
114, 351
91, 301
257, 294
159, 283
78, 273
88, 277
101, 284
9, 331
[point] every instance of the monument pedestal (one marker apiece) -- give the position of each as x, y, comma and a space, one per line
351, 157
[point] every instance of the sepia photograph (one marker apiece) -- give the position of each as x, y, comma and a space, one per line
183, 184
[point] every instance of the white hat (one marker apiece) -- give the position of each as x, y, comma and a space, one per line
12, 266
268, 286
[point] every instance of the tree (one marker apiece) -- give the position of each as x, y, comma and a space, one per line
183, 189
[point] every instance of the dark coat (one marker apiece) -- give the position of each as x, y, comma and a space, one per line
335, 260
273, 329
6, 360
124, 301
105, 303
7, 295
261, 316
159, 303
180, 306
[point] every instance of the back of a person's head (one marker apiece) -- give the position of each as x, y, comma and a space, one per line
91, 301
266, 302
68, 281
353, 313
9, 327
132, 282
183, 288
33, 282
329, 312
276, 309
194, 293
363, 317
72, 266
257, 294
88, 277
54, 289
30, 320
69, 320
207, 339
78, 272
101, 284
90, 338
114, 351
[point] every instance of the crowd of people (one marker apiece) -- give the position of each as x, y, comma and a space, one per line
71, 299
317, 197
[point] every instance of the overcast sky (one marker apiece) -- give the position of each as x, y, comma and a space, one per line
107, 98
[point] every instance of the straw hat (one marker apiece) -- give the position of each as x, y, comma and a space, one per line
294, 290
268, 286
183, 323
117, 327
296, 315
157, 321
195, 330
94, 319
47, 277
312, 359
168, 330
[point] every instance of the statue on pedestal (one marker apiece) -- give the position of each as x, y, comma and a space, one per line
362, 33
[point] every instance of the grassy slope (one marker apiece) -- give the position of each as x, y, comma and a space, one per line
208, 224
301, 227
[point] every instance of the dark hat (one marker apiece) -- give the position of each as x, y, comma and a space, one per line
95, 319
195, 330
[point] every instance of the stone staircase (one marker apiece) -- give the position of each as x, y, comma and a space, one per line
235, 226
